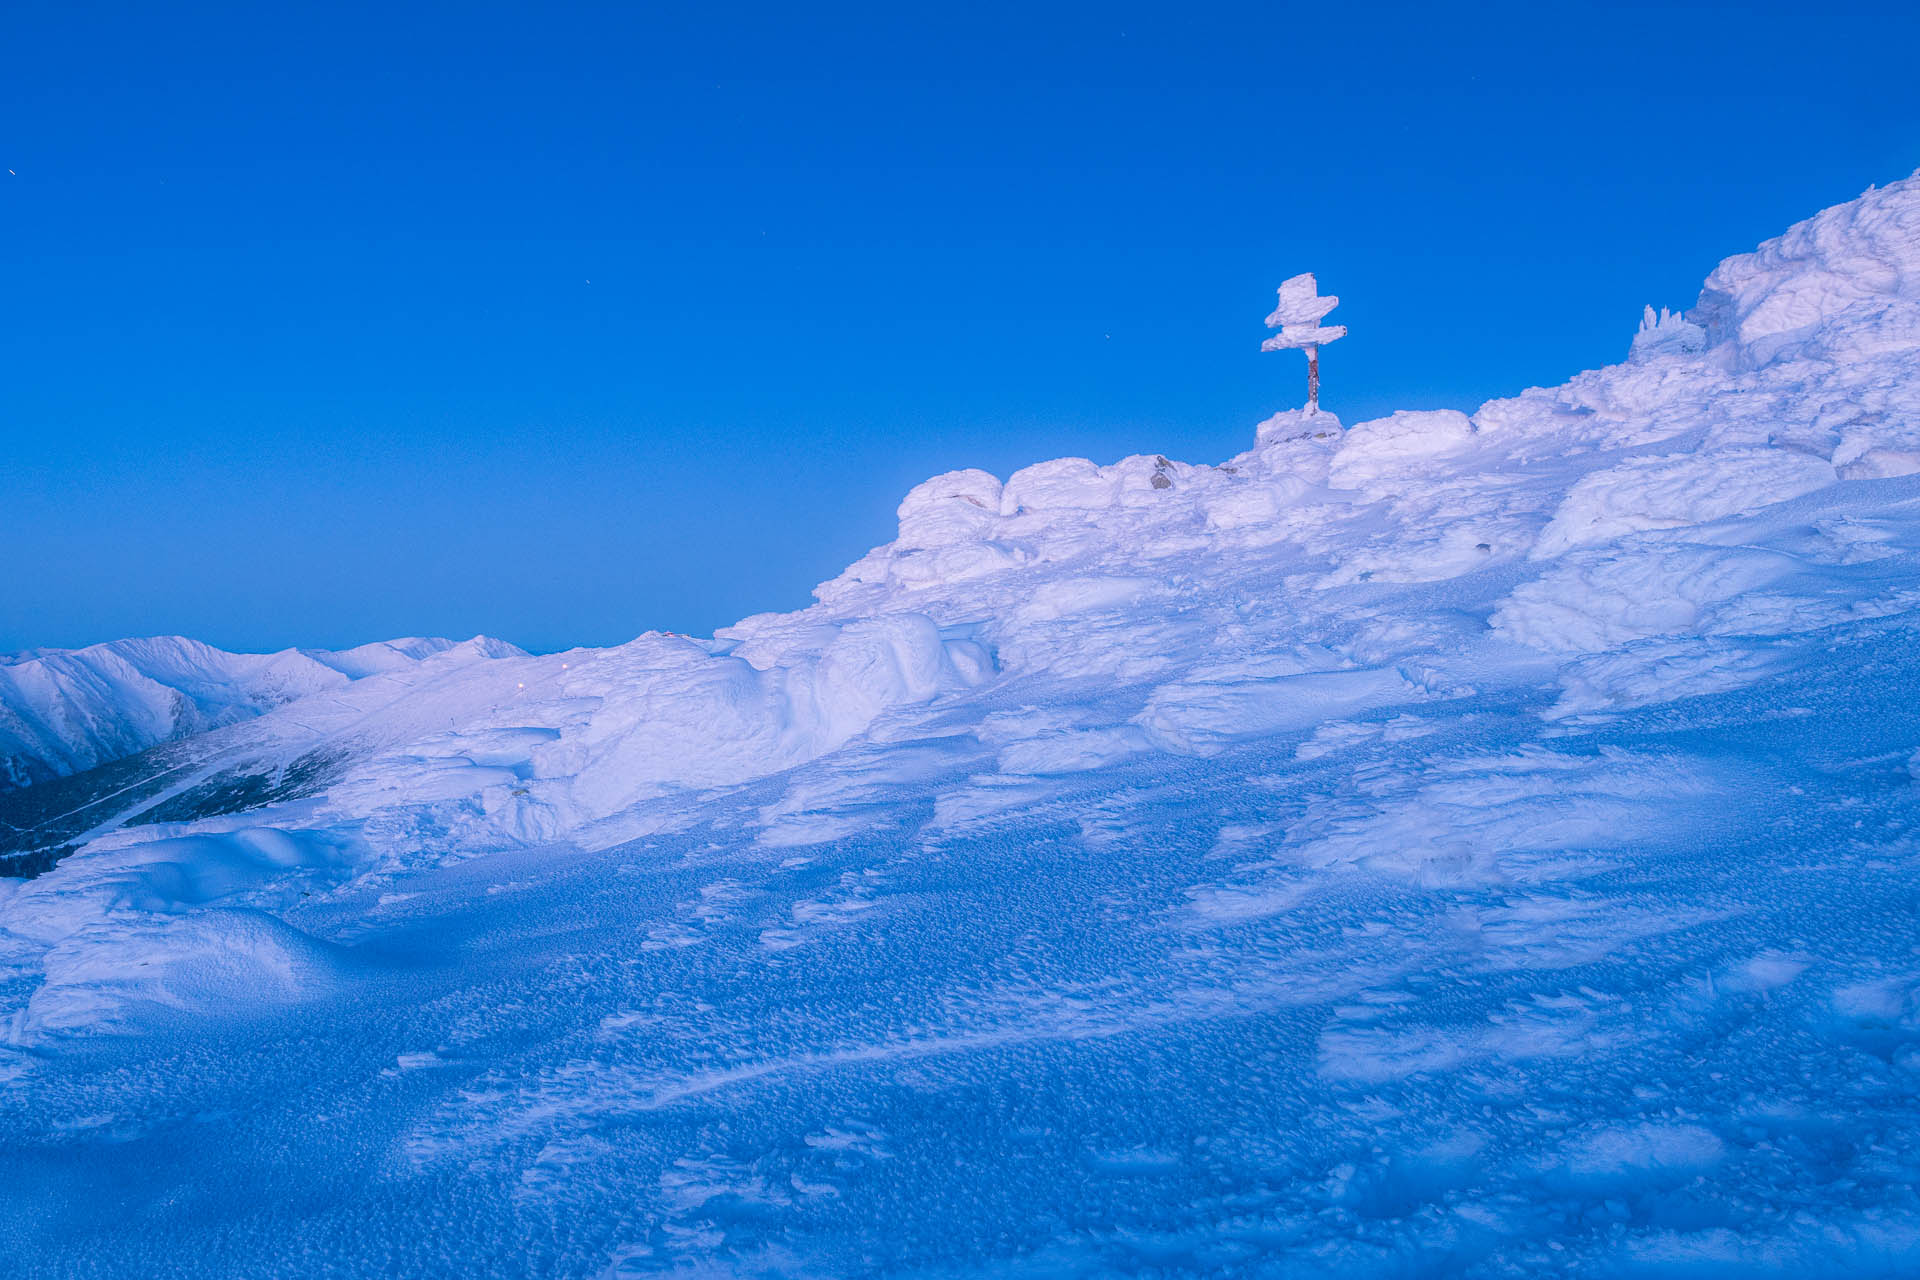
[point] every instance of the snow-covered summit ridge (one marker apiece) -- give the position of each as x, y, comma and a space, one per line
1648, 531
1794, 371
1799, 345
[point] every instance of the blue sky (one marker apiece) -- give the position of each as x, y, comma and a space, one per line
323, 324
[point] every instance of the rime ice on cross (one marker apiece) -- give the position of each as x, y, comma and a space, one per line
1298, 320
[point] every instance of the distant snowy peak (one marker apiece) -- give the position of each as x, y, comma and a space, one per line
383, 656
380, 656
67, 710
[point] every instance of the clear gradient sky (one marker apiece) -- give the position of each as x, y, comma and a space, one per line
327, 323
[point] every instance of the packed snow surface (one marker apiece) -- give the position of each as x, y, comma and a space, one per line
1474, 845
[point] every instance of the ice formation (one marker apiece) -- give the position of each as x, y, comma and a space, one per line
1298, 319
1462, 844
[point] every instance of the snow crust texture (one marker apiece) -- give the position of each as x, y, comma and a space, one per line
1458, 845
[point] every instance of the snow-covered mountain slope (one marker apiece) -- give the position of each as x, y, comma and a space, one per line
64, 711
1458, 845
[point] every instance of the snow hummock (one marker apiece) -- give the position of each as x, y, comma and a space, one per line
1458, 843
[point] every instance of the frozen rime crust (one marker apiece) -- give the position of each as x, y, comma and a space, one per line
955, 507
1457, 844
1843, 284
1667, 334
1677, 490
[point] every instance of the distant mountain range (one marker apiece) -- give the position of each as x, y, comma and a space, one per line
64, 711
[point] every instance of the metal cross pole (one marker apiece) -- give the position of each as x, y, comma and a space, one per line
1298, 319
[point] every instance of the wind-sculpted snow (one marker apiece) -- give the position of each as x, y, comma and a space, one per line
1470, 845
169, 924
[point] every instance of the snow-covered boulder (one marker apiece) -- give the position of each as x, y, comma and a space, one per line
959, 506
1878, 452
1834, 272
1296, 424
1063, 483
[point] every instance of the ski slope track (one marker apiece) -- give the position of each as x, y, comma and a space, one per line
1453, 845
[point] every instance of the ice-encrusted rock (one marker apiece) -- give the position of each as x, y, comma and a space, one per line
1667, 334
1834, 285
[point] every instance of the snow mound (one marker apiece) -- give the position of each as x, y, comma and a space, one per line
1843, 284
679, 718
1397, 448
166, 926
